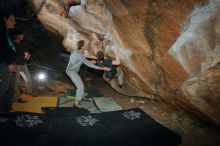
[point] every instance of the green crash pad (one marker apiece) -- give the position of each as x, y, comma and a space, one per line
89, 93
106, 104
94, 101
85, 104
64, 102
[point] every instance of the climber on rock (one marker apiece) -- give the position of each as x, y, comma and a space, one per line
115, 72
76, 60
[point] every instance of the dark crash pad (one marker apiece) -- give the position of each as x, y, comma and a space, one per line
73, 126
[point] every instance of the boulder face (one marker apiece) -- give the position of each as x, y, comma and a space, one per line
169, 50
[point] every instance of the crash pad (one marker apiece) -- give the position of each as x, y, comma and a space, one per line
89, 93
34, 104
74, 126
106, 104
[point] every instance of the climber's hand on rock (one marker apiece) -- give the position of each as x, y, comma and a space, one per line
106, 68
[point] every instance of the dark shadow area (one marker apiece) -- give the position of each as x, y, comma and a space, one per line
45, 48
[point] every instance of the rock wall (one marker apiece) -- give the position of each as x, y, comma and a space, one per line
169, 49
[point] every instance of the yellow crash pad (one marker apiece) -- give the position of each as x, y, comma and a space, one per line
34, 104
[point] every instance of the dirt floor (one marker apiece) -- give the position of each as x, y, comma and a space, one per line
192, 130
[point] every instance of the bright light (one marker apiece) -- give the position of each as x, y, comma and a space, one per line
41, 76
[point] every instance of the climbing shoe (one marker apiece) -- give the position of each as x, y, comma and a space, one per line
77, 104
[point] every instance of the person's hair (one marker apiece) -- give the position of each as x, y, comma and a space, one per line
4, 15
100, 55
16, 32
72, 2
80, 44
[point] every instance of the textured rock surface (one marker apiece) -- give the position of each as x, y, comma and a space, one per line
169, 49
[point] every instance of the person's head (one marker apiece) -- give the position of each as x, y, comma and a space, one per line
17, 35
100, 55
67, 2
81, 45
72, 2
8, 20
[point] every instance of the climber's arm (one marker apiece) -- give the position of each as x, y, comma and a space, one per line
117, 58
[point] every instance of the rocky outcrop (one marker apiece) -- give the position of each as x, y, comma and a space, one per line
169, 49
